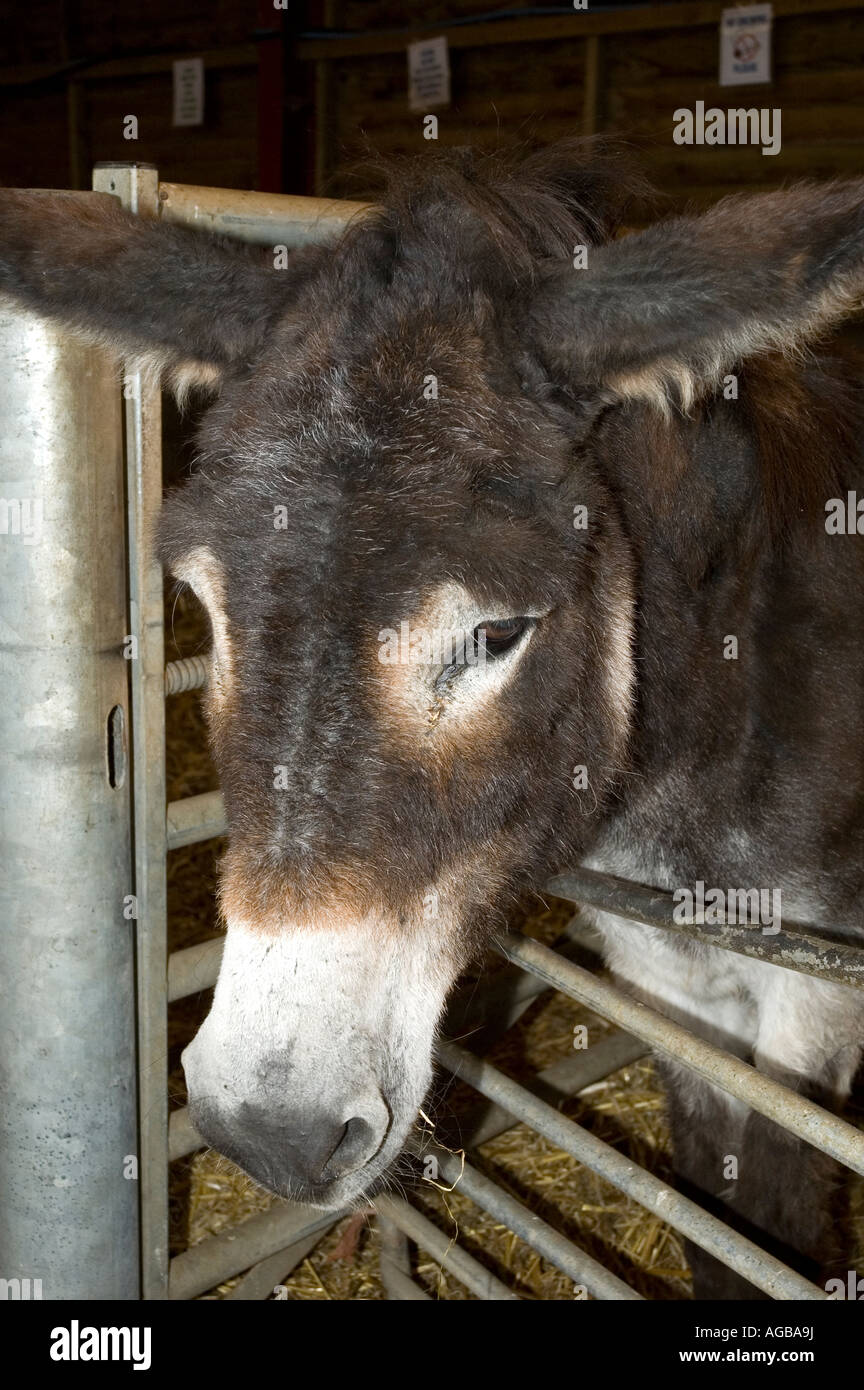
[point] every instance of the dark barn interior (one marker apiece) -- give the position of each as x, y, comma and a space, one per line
294, 96
303, 99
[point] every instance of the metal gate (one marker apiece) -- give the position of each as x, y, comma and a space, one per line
268, 1245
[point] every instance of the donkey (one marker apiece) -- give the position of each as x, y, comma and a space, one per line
589, 460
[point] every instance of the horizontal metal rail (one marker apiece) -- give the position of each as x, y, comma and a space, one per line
794, 946
394, 1263
218, 1258
194, 968
755, 1265
560, 1081
194, 819
260, 1281
562, 1077
794, 1112
183, 1137
270, 219
707, 1231
399, 1284
462, 1266
527, 1225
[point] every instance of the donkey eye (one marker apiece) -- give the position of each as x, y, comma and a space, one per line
501, 634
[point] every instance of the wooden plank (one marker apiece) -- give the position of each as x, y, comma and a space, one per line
801, 44
799, 125
237, 56
747, 165
591, 86
385, 117
270, 100
193, 26
222, 151
74, 104
789, 89
580, 25
325, 111
33, 155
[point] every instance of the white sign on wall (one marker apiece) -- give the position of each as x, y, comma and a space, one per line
745, 45
428, 74
189, 92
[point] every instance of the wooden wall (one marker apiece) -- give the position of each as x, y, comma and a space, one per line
63, 30
222, 152
528, 80
528, 90
70, 70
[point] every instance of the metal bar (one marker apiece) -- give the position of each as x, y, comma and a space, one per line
536, 1232
194, 968
269, 219
68, 1126
787, 1108
194, 819
218, 1258
583, 1070
559, 1082
464, 1267
394, 1262
190, 673
399, 1285
137, 188
183, 1137
794, 947
713, 1235
263, 1279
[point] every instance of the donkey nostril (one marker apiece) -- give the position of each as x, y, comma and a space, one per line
358, 1142
301, 1146
326, 1152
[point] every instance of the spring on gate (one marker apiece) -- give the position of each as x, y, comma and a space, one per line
189, 674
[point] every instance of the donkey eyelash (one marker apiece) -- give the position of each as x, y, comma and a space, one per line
500, 636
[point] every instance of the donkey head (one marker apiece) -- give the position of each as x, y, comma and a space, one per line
407, 530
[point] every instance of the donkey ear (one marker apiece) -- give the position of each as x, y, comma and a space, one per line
182, 302
663, 315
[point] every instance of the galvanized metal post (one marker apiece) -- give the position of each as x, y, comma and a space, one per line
68, 1141
137, 187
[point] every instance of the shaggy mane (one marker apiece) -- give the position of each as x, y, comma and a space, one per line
503, 215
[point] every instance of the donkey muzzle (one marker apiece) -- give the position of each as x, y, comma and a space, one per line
316, 1054
299, 1151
